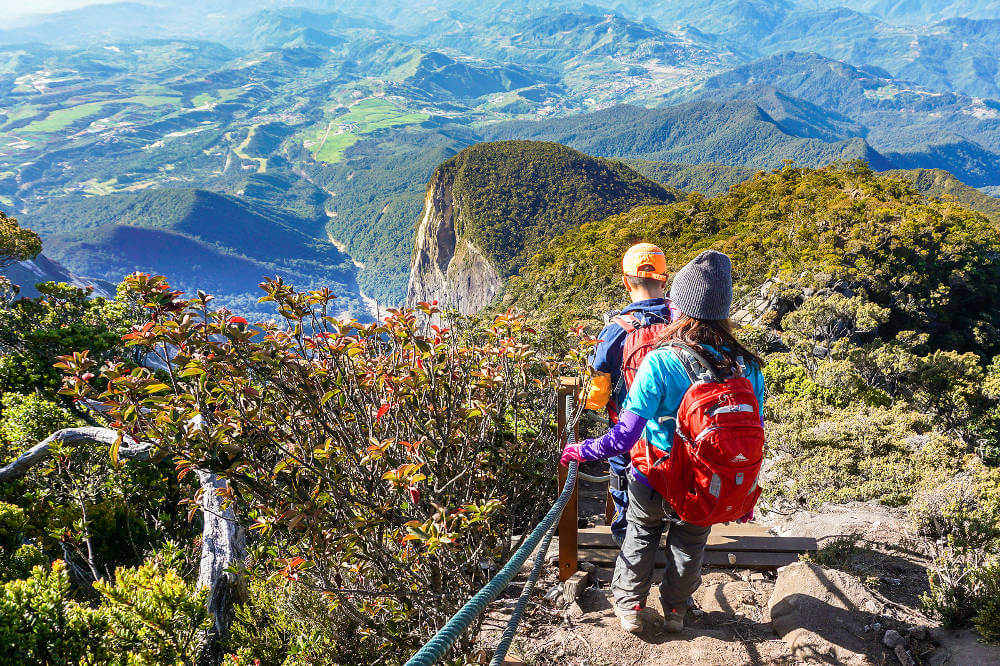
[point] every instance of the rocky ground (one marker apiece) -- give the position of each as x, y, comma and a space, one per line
856, 602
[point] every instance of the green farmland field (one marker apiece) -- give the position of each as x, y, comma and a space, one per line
332, 139
62, 118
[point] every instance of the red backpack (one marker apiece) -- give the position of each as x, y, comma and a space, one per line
640, 339
710, 474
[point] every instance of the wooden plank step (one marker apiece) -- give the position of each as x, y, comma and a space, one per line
719, 540
757, 561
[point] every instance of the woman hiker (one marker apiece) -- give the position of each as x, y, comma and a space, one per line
702, 292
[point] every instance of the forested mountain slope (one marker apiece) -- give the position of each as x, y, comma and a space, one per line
840, 221
738, 133
212, 242
489, 208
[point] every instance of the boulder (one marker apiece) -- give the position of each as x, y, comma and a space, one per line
962, 646
822, 614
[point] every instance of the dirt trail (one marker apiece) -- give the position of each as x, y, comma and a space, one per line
730, 623
731, 627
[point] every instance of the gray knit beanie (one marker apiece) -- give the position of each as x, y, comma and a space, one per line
703, 289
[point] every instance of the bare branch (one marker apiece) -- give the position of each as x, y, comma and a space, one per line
130, 448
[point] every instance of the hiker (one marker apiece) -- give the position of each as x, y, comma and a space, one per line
701, 378
628, 336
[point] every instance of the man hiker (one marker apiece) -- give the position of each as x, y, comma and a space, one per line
626, 338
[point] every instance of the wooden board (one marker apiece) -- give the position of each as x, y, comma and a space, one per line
744, 560
723, 538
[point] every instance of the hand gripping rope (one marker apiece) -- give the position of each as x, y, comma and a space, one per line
459, 623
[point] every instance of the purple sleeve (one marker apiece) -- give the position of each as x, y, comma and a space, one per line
618, 440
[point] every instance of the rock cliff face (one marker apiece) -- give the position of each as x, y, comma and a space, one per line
493, 206
445, 266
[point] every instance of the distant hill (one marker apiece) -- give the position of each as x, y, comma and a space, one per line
201, 240
436, 73
940, 184
737, 133
916, 12
811, 94
492, 206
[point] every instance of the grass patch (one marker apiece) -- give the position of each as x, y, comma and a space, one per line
62, 118
149, 100
241, 151
20, 113
100, 188
219, 97
331, 140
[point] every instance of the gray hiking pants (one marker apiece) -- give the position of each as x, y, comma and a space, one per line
648, 515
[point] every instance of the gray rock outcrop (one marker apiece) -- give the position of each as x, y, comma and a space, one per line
822, 614
445, 266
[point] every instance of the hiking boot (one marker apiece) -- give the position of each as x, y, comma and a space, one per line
630, 619
673, 619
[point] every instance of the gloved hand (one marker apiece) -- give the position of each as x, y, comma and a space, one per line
747, 518
570, 453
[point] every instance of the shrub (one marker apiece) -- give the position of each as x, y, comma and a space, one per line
17, 558
153, 616
41, 624
383, 462
284, 622
988, 616
962, 521
62, 319
27, 419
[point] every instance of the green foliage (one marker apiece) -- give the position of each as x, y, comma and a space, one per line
28, 419
285, 623
16, 243
41, 624
62, 319
153, 616
149, 616
940, 184
825, 454
17, 557
78, 504
988, 617
962, 516
836, 552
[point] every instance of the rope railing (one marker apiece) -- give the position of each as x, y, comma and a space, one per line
445, 638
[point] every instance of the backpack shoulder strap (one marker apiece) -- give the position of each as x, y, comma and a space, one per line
694, 363
628, 321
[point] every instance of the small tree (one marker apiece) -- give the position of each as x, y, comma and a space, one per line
16, 243
393, 465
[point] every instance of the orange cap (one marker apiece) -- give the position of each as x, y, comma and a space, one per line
645, 260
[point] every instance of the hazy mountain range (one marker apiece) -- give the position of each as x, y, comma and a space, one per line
158, 136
